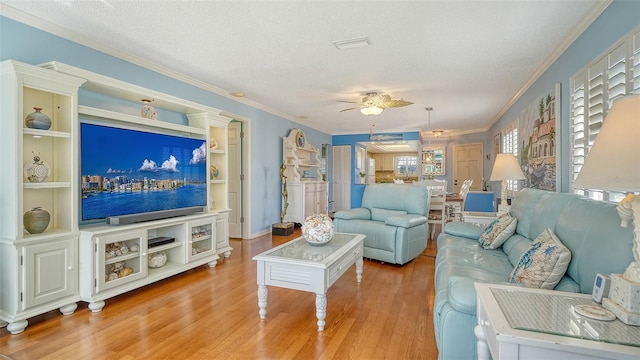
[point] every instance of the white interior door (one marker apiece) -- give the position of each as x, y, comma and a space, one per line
467, 160
235, 179
341, 169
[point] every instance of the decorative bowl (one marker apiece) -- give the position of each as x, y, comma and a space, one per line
317, 229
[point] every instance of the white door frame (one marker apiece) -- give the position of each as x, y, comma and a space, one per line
344, 176
246, 168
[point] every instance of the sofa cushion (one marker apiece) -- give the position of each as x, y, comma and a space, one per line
592, 232
498, 231
515, 246
543, 264
412, 199
378, 214
354, 214
463, 229
523, 207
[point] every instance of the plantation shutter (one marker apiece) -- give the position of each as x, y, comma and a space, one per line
593, 91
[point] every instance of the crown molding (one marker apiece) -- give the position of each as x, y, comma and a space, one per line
593, 14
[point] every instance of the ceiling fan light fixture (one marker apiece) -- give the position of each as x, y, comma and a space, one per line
351, 43
372, 110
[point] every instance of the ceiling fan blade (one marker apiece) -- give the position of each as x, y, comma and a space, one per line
349, 102
394, 103
353, 108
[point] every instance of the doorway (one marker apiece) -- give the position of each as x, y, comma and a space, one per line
235, 149
341, 172
467, 164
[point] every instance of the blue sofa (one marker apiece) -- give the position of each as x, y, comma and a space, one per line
590, 229
394, 219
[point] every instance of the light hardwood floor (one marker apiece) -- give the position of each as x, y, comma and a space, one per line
212, 313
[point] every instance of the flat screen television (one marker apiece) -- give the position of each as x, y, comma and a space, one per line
125, 171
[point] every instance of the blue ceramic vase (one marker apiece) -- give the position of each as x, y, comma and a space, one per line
38, 120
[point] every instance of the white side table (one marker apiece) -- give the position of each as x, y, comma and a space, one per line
479, 218
523, 323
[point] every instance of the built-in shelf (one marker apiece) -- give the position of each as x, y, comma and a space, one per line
164, 247
131, 255
47, 185
45, 133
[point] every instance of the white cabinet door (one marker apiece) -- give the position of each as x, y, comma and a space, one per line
309, 199
222, 235
202, 241
111, 265
50, 271
321, 198
295, 210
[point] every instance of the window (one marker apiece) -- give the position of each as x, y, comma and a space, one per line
510, 145
406, 166
614, 74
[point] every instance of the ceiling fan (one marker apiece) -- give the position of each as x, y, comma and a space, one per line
374, 104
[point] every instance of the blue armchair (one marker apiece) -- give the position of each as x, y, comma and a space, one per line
394, 219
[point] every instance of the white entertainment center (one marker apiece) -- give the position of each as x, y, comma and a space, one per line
69, 262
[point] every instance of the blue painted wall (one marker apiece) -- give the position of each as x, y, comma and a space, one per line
33, 46
617, 20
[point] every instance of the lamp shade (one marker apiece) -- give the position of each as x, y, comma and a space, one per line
506, 167
613, 163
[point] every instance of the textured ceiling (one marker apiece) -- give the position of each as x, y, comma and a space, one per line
466, 59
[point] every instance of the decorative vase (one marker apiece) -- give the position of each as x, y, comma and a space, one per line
317, 229
36, 220
148, 111
38, 120
37, 171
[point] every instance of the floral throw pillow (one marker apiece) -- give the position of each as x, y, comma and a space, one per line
498, 231
543, 264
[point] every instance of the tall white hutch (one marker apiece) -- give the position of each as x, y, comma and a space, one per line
307, 193
67, 262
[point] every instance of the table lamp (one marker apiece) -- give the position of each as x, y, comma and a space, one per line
505, 168
613, 163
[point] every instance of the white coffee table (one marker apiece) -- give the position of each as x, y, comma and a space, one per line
300, 266
522, 323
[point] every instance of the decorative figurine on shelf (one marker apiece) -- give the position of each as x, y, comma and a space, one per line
37, 171
283, 228
213, 172
148, 111
285, 194
37, 120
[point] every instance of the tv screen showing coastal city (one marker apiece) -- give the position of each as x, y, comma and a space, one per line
129, 171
